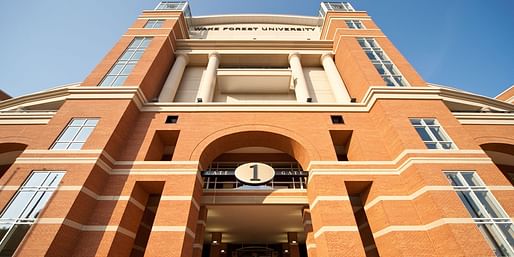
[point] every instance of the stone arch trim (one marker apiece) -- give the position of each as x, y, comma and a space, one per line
275, 137
494, 140
15, 140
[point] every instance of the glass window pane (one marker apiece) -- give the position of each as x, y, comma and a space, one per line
508, 232
36, 179
431, 145
127, 55
53, 179
83, 134
370, 55
4, 228
446, 145
60, 146
145, 43
77, 122
471, 179
69, 134
489, 204
454, 179
423, 134
467, 200
14, 238
75, 146
119, 81
361, 42
91, 122
380, 69
429, 121
15, 208
136, 42
128, 69
436, 131
107, 82
32, 205
415, 121
42, 199
158, 24
389, 82
116, 69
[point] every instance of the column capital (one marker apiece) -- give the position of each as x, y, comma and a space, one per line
183, 56
294, 54
214, 54
325, 55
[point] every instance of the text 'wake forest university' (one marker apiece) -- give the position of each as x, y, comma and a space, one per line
253, 28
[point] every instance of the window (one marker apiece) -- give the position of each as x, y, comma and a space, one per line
172, 119
491, 219
180, 5
75, 134
382, 63
432, 134
25, 207
126, 63
154, 24
337, 119
354, 24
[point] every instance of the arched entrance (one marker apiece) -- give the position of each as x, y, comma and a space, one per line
263, 219
502, 155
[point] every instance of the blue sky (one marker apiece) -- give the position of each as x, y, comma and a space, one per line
464, 44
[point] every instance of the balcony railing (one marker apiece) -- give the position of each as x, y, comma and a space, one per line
288, 175
336, 7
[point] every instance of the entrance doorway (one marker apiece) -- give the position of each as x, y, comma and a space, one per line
254, 231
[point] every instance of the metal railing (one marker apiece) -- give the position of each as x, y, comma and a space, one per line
288, 175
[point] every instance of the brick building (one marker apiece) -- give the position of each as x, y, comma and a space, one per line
256, 135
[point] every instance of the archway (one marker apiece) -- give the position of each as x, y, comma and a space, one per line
242, 219
503, 157
8, 154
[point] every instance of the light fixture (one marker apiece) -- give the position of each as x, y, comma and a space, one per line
214, 242
293, 242
286, 251
222, 251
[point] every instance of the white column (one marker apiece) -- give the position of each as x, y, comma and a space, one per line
169, 90
300, 89
208, 82
338, 88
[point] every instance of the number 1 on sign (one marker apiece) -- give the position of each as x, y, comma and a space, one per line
255, 175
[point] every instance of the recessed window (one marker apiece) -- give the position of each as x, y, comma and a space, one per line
154, 24
126, 63
23, 209
490, 218
355, 24
75, 134
432, 133
337, 119
171, 119
382, 63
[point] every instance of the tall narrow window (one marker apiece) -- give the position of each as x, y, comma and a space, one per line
154, 24
126, 63
25, 207
354, 24
382, 63
75, 134
489, 216
432, 133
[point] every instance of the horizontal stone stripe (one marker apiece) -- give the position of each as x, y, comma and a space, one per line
198, 246
400, 169
426, 227
328, 198
174, 229
398, 158
410, 197
310, 246
78, 226
325, 229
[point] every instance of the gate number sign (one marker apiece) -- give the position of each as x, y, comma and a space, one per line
254, 173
